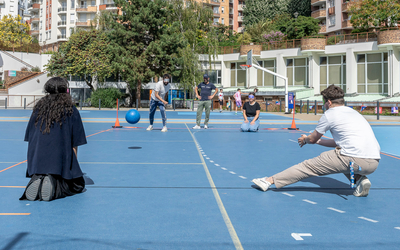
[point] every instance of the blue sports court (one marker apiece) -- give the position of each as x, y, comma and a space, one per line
192, 189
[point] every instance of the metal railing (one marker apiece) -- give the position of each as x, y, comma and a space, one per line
62, 9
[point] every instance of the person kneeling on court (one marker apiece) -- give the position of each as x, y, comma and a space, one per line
54, 132
251, 112
353, 140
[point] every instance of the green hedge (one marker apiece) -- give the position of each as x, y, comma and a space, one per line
107, 96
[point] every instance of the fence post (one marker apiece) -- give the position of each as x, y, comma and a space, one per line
377, 110
137, 104
80, 104
308, 107
24, 103
301, 106
315, 107
173, 104
5, 104
280, 105
193, 105
99, 104
212, 105
230, 105
345, 103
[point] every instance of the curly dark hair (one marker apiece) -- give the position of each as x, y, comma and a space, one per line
55, 106
333, 93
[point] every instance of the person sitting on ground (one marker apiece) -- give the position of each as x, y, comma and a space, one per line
54, 132
251, 113
353, 140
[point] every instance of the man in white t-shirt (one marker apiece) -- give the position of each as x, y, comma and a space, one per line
353, 140
221, 100
157, 99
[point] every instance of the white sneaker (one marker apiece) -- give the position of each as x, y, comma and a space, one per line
164, 129
150, 128
363, 186
205, 126
262, 183
197, 127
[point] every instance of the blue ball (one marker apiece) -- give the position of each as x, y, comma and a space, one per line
132, 116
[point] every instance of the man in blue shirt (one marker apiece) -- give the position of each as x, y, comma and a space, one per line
205, 100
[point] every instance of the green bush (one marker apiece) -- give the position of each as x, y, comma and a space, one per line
107, 96
35, 69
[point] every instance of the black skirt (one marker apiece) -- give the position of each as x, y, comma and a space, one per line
61, 187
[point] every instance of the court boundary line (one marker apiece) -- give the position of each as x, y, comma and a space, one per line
225, 216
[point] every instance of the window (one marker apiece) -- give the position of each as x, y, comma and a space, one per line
238, 76
222, 20
72, 4
11, 8
372, 73
222, 10
332, 20
333, 71
265, 78
297, 71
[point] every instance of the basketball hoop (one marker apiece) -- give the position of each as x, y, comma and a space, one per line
244, 66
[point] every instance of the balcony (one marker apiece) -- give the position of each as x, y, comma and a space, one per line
322, 29
347, 25
34, 32
317, 2
62, 37
331, 10
83, 23
108, 6
216, 13
240, 29
34, 7
62, 23
35, 19
213, 3
86, 9
62, 9
319, 14
240, 19
240, 7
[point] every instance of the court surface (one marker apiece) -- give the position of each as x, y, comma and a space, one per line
191, 189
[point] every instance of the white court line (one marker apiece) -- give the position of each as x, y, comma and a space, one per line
290, 195
204, 155
211, 161
207, 158
217, 165
336, 210
363, 218
224, 169
397, 228
311, 202
242, 177
232, 172
293, 141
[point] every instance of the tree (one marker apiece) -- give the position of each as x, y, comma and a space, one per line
14, 33
145, 42
302, 7
256, 30
296, 28
86, 54
374, 13
256, 11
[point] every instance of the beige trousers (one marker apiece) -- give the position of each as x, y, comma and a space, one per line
329, 162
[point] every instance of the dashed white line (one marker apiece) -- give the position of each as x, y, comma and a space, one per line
232, 172
223, 168
311, 202
370, 220
290, 195
211, 161
397, 228
293, 141
336, 210
242, 177
207, 158
217, 165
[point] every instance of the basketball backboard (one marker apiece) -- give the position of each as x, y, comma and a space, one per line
250, 58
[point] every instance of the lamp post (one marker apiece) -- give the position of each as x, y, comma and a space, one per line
296, 14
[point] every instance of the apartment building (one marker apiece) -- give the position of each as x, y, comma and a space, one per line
333, 15
14, 7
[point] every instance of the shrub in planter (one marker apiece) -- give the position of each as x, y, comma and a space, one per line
108, 97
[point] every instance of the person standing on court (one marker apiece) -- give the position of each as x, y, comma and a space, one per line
221, 100
54, 132
353, 140
158, 95
205, 98
251, 113
238, 99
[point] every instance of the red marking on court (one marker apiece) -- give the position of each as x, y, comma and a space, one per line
391, 156
15, 213
13, 166
99, 132
132, 127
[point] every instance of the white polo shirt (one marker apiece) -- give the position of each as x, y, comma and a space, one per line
351, 132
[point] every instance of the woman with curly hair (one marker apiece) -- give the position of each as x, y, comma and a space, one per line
54, 132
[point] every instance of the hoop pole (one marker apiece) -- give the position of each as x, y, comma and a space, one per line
286, 85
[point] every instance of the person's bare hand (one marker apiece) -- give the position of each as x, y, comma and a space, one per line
302, 140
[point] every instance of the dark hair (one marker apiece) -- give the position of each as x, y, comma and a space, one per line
333, 93
55, 106
166, 76
255, 90
238, 89
252, 93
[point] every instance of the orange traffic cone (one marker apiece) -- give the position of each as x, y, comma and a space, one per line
117, 121
293, 127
